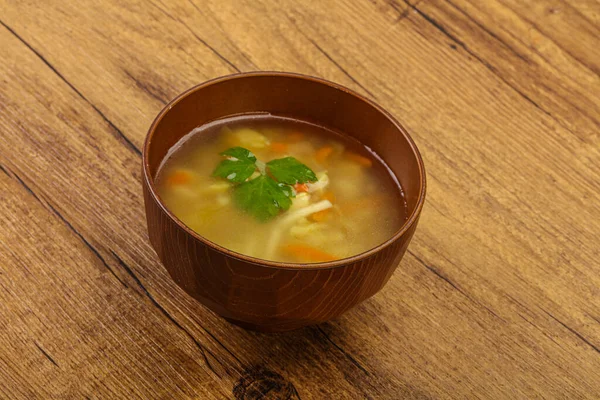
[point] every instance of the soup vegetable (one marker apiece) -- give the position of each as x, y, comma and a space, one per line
281, 189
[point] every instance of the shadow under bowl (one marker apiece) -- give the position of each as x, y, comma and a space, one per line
266, 295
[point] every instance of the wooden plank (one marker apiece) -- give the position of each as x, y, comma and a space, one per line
512, 40
71, 326
499, 295
560, 21
82, 193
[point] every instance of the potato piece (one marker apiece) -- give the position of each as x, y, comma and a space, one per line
246, 137
301, 231
302, 149
324, 234
300, 201
223, 199
183, 182
217, 187
186, 191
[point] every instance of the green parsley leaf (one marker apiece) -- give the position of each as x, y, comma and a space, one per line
239, 153
239, 165
291, 171
263, 197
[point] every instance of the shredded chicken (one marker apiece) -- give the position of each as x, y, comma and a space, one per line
285, 222
320, 184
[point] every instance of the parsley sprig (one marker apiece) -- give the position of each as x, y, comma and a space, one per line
266, 195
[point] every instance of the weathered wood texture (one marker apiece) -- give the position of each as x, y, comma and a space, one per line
499, 296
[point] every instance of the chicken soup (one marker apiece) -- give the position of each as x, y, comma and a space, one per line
281, 189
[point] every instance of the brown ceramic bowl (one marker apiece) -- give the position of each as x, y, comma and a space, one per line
267, 295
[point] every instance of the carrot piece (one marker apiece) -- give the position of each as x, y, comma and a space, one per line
323, 154
301, 187
320, 216
279, 147
179, 178
308, 253
357, 158
329, 196
295, 137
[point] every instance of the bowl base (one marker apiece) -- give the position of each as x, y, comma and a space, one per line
263, 328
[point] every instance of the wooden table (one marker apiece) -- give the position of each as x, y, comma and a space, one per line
499, 295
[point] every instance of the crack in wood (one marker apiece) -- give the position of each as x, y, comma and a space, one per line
573, 331
547, 87
529, 322
437, 273
594, 318
222, 345
46, 204
563, 98
241, 52
517, 301
202, 349
340, 67
346, 354
118, 134
535, 50
576, 10
401, 14
489, 32
45, 354
296, 393
539, 329
212, 49
395, 6
447, 280
490, 67
232, 65
196, 7
155, 93
437, 25
14, 176
591, 68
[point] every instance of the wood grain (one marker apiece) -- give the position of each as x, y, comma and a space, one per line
499, 295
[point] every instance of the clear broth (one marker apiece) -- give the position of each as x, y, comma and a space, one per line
368, 203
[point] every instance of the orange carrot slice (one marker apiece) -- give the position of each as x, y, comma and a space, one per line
308, 253
179, 178
279, 147
323, 154
295, 137
357, 158
320, 216
301, 187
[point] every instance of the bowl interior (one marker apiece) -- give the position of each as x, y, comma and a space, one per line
297, 96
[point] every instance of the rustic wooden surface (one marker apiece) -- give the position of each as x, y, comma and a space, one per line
499, 296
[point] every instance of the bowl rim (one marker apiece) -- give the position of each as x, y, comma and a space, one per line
412, 220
